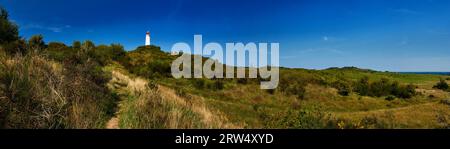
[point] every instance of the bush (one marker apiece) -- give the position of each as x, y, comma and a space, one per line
445, 101
384, 87
217, 84
271, 91
407, 91
296, 89
390, 98
36, 43
380, 88
362, 86
105, 54
242, 80
307, 118
442, 85
9, 31
343, 87
199, 83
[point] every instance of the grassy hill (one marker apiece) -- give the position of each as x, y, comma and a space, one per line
305, 98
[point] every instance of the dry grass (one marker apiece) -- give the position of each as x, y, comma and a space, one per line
428, 115
38, 93
161, 107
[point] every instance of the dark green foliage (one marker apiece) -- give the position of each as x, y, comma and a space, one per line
17, 46
380, 88
307, 118
296, 89
344, 88
362, 86
216, 84
407, 91
384, 87
219, 84
158, 69
106, 54
390, 98
102, 54
87, 46
36, 43
9, 31
76, 45
10, 41
271, 91
291, 84
149, 62
199, 83
242, 80
442, 85
59, 51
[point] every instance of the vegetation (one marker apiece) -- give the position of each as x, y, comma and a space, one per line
442, 85
83, 85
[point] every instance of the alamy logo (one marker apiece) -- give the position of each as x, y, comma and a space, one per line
259, 57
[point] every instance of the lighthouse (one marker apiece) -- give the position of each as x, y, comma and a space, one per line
147, 39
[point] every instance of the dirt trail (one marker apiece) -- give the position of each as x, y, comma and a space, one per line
113, 123
123, 84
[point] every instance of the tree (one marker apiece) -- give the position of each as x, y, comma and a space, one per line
118, 52
9, 32
36, 43
362, 87
76, 45
87, 46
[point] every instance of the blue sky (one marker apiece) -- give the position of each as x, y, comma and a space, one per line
392, 35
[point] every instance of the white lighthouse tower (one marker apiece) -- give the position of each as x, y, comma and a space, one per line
147, 39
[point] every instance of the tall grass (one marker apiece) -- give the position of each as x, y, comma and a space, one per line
38, 93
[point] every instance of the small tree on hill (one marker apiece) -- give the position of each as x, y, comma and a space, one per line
36, 43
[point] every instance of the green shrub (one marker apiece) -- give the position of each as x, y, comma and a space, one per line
271, 91
445, 101
362, 86
384, 87
9, 31
390, 98
296, 89
406, 91
307, 118
199, 83
36, 43
343, 87
242, 80
442, 85
380, 88
216, 84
